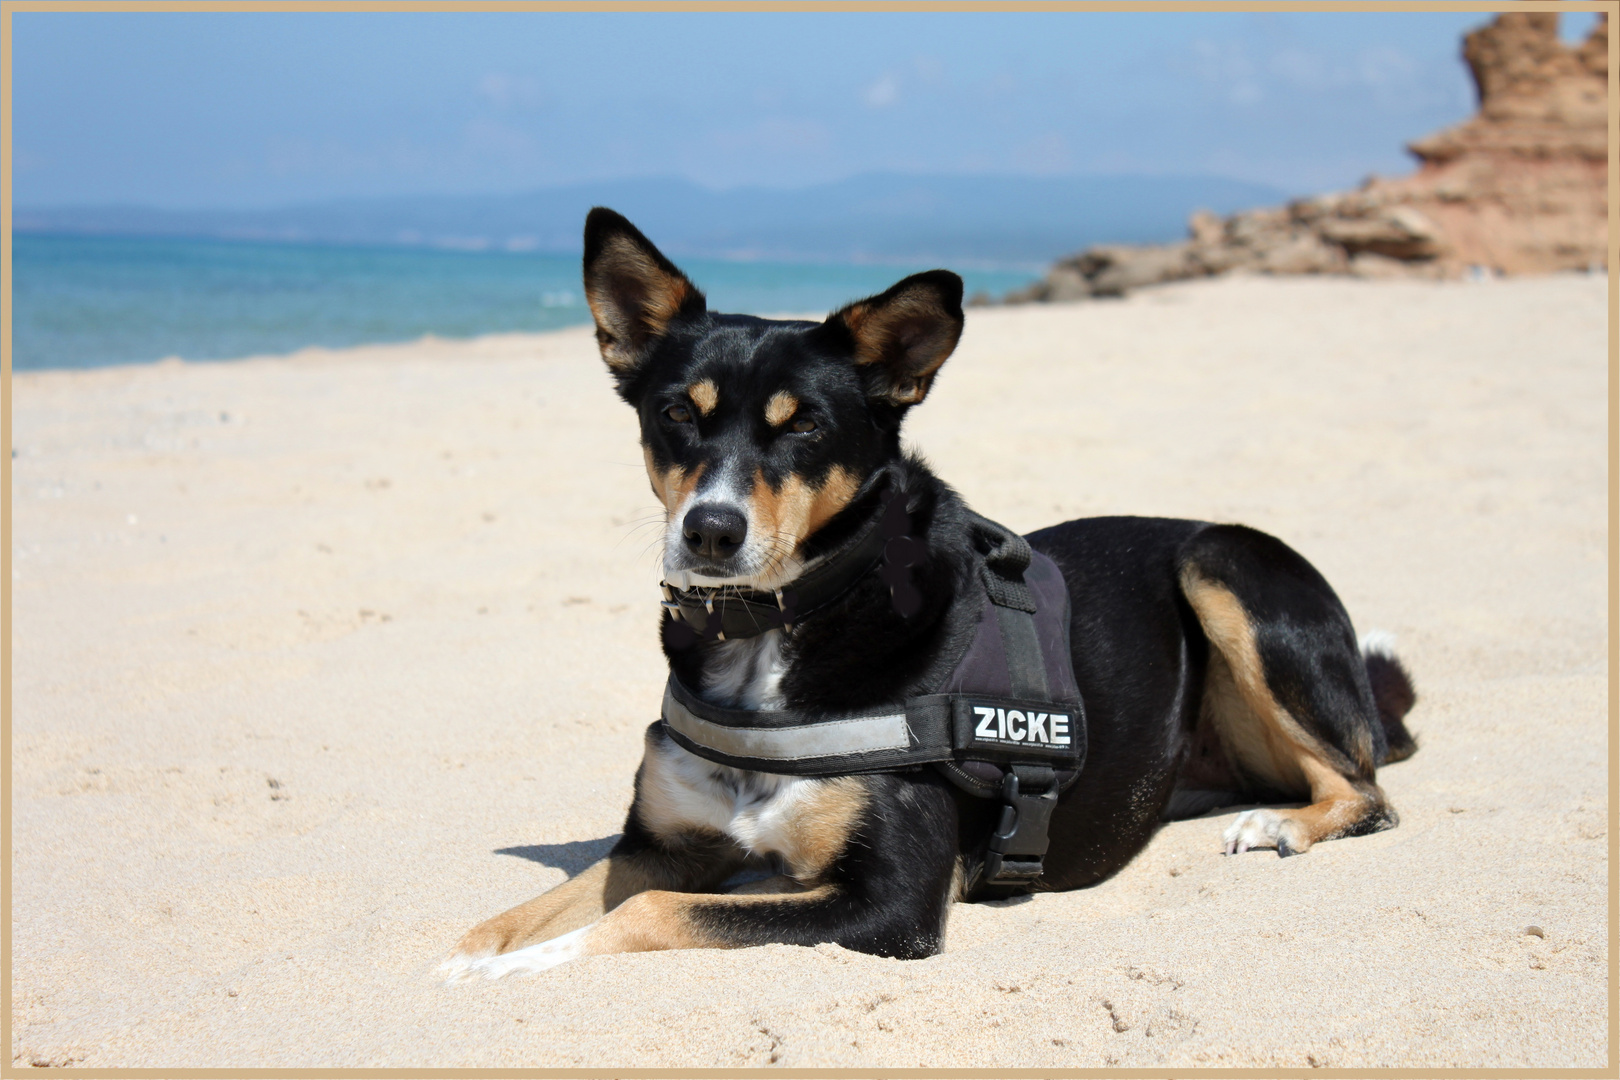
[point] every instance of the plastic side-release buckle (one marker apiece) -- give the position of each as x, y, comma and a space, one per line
1018, 843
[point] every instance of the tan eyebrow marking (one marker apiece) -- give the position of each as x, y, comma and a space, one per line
780, 409
705, 395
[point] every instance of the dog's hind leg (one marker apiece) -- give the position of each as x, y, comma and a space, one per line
1286, 690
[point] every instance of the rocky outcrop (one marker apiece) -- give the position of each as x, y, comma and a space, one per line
1519, 188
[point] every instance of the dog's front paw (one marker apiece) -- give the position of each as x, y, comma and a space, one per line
547, 954
1253, 828
458, 966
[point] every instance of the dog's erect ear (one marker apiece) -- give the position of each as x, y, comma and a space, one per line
634, 292
903, 335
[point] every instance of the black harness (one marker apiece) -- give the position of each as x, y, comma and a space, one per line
1007, 723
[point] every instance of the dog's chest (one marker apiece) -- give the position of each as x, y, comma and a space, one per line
760, 811
746, 673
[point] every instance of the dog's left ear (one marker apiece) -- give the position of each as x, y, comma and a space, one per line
634, 292
902, 336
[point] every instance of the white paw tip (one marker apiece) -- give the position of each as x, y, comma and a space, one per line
1251, 829
457, 968
525, 961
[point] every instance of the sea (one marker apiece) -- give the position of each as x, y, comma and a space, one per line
95, 301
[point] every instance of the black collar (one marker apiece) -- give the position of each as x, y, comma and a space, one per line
725, 612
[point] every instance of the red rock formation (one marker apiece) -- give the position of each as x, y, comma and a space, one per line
1521, 187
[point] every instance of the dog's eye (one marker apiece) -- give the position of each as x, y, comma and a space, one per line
679, 413
804, 427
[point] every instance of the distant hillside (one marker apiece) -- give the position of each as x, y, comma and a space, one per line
877, 217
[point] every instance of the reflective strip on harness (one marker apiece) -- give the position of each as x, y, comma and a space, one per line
792, 743
933, 728
809, 744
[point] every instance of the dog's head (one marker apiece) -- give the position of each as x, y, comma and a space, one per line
758, 432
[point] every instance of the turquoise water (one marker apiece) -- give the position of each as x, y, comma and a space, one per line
81, 302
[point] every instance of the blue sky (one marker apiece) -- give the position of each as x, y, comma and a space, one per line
248, 110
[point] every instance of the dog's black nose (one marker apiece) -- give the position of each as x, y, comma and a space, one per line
714, 531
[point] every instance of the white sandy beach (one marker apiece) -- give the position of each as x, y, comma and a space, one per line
318, 661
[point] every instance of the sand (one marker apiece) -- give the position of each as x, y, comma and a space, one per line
320, 660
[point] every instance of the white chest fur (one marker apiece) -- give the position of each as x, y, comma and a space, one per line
762, 812
746, 673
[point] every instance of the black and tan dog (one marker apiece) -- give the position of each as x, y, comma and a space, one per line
1216, 666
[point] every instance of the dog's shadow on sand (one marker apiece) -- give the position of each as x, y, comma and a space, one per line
570, 858
576, 855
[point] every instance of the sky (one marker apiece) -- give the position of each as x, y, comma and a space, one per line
238, 110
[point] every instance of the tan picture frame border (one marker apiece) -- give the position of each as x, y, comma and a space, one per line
9, 7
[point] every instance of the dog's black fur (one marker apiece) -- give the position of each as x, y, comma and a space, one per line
1216, 665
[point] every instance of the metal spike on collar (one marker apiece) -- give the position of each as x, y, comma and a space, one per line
669, 604
708, 605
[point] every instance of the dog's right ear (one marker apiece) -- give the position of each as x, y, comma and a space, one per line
634, 292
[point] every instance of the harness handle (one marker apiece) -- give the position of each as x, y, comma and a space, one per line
1006, 556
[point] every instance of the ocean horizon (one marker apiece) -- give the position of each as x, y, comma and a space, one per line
97, 301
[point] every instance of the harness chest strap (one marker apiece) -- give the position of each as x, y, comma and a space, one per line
929, 729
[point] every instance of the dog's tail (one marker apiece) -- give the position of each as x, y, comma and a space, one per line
1392, 692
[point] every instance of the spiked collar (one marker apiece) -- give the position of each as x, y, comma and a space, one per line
727, 612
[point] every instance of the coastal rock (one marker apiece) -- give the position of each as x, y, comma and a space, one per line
1402, 232
1114, 271
1518, 188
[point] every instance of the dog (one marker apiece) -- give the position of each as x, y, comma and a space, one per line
1201, 665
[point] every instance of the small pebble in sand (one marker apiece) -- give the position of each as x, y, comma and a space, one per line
1535, 931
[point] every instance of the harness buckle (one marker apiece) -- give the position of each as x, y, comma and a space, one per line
1019, 841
